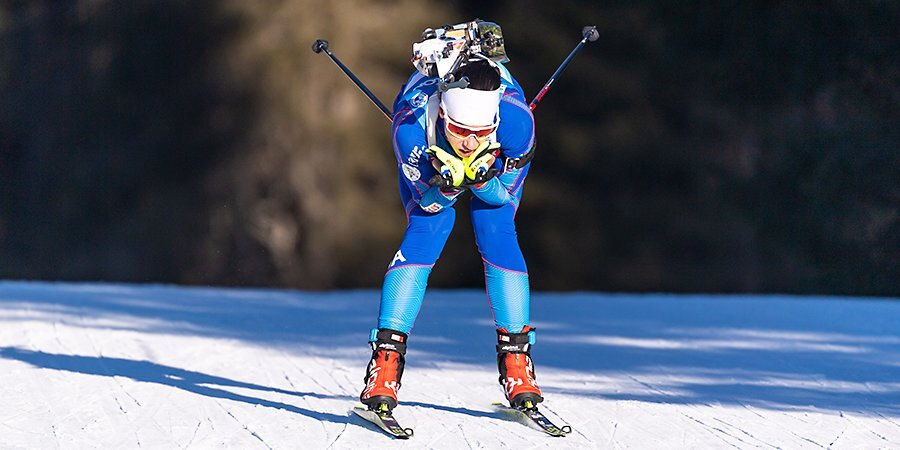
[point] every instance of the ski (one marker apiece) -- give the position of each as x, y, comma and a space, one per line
531, 416
385, 421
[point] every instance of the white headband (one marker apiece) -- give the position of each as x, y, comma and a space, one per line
472, 107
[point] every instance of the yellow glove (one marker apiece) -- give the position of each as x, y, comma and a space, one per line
453, 169
479, 164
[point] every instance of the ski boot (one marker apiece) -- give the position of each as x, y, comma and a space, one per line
384, 370
516, 369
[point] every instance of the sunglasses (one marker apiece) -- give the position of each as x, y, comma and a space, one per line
463, 132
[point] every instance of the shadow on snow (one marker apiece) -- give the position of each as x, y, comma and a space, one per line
765, 351
186, 380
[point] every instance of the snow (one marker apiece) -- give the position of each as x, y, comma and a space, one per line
138, 366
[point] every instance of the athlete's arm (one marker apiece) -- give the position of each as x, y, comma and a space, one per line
516, 138
410, 143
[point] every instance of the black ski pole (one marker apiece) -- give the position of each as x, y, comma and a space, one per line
589, 33
322, 45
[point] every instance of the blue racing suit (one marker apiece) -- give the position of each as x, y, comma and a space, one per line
430, 213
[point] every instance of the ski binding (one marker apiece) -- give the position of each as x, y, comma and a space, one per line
384, 419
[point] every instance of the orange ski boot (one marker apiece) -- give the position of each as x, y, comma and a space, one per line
517, 369
384, 370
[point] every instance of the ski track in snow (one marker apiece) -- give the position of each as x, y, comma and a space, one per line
132, 366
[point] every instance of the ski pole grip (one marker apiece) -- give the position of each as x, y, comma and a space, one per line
589, 32
320, 45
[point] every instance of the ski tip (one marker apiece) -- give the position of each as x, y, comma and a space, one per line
534, 418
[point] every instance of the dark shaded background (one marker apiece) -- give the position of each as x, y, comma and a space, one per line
728, 147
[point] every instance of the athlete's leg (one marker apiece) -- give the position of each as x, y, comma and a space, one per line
407, 275
505, 273
506, 280
401, 299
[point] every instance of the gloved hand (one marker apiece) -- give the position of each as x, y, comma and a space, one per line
452, 170
478, 166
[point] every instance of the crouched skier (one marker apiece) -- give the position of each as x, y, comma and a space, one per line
478, 139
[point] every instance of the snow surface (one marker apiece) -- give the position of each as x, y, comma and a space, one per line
130, 366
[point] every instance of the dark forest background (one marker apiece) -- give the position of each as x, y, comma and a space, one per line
729, 146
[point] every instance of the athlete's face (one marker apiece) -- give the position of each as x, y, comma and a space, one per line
465, 139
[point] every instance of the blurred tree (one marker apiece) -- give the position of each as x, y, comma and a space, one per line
311, 200
735, 146
104, 118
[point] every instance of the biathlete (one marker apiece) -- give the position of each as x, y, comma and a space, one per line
478, 139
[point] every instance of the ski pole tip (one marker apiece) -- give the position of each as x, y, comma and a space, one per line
320, 45
590, 32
